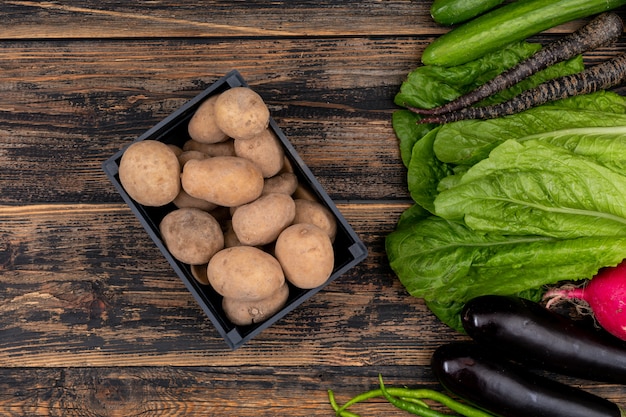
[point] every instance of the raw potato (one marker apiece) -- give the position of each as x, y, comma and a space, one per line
265, 150
199, 274
315, 213
227, 181
177, 150
304, 192
192, 236
202, 127
150, 173
285, 183
230, 237
244, 313
261, 221
241, 113
226, 148
184, 200
245, 273
186, 156
306, 254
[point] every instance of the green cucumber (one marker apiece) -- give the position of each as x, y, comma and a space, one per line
510, 23
451, 12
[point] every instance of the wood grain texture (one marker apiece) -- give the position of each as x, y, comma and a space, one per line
85, 284
237, 19
93, 320
216, 391
333, 98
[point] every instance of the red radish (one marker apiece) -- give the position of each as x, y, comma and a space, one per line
606, 295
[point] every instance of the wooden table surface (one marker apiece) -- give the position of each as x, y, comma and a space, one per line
93, 321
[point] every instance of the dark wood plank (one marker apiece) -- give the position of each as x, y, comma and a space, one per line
84, 285
333, 99
185, 391
25, 19
241, 19
60, 121
216, 391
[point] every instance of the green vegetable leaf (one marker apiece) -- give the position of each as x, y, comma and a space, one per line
430, 86
408, 131
425, 172
469, 141
447, 263
533, 188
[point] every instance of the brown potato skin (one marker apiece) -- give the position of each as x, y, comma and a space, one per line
313, 212
245, 273
285, 183
306, 255
185, 156
241, 113
202, 126
183, 199
191, 235
199, 274
226, 148
244, 313
265, 150
150, 173
227, 181
261, 221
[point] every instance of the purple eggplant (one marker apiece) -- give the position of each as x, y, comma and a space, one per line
530, 334
506, 389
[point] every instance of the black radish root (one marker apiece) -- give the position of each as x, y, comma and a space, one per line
601, 31
599, 77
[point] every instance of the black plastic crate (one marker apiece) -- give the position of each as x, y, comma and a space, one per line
349, 249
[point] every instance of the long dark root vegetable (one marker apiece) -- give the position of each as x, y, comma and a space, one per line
598, 77
601, 31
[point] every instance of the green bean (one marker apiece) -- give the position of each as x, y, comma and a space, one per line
412, 400
338, 411
408, 399
463, 409
397, 392
412, 408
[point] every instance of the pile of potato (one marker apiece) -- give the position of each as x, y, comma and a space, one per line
241, 220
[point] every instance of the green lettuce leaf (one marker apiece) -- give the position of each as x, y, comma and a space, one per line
469, 141
446, 263
425, 172
534, 188
430, 86
408, 132
605, 145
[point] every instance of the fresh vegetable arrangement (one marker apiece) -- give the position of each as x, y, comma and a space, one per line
602, 30
523, 191
494, 213
512, 337
536, 337
495, 374
510, 23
